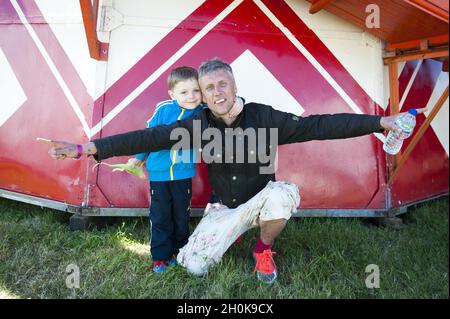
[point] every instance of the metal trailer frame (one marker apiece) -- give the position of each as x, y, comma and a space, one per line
198, 212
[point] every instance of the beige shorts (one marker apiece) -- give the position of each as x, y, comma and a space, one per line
221, 226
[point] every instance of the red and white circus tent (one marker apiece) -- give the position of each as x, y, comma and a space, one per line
78, 70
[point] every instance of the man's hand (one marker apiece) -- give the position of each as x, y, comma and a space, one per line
388, 122
61, 150
214, 207
135, 170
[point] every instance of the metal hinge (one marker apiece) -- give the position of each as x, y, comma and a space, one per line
110, 18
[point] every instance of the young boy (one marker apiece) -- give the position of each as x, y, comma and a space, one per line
170, 177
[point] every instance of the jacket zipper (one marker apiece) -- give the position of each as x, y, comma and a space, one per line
174, 155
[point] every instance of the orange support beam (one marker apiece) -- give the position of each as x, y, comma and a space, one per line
319, 5
393, 87
415, 44
418, 55
394, 107
419, 134
97, 50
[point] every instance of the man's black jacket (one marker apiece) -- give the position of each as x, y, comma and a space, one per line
238, 173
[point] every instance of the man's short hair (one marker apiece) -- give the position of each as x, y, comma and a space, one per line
214, 65
181, 73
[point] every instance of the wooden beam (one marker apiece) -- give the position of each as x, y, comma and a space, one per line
410, 56
430, 8
419, 134
319, 5
97, 49
393, 108
424, 45
393, 87
440, 40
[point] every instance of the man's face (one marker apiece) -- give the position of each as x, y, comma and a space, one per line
219, 91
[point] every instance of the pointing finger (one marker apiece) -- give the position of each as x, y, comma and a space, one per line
52, 143
40, 139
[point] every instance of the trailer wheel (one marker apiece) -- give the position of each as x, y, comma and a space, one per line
392, 222
80, 222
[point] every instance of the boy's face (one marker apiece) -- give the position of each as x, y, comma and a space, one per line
187, 93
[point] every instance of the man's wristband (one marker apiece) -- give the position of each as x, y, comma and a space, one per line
79, 151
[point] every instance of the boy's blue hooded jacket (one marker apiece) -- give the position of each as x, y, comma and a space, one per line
168, 165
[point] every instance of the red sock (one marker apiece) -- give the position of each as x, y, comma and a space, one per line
260, 246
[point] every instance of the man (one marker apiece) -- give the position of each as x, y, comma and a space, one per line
236, 175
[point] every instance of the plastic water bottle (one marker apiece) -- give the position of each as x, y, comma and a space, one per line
394, 140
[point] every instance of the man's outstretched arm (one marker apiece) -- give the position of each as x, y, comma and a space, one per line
130, 143
294, 129
61, 150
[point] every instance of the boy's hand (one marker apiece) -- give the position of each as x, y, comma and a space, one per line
237, 108
135, 162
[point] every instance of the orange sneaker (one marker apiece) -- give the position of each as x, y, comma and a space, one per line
265, 267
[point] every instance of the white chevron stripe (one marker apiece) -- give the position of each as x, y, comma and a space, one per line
440, 122
313, 61
155, 75
11, 92
53, 68
410, 83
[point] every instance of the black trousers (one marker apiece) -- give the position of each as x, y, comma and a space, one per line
169, 217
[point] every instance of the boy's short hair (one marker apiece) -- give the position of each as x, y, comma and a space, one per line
181, 73
214, 65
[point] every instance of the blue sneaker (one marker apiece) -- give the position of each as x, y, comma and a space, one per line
159, 266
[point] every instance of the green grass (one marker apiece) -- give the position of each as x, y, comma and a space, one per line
316, 257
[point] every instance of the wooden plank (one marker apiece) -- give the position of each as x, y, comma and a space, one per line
96, 48
394, 108
428, 54
430, 8
319, 5
419, 134
400, 21
424, 45
415, 44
